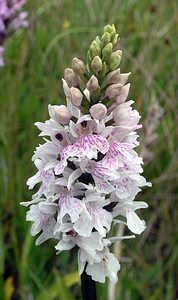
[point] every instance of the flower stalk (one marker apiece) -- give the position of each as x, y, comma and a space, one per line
88, 287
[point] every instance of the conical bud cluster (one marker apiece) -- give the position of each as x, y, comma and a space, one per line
84, 81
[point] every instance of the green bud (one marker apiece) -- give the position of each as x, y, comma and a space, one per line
97, 39
110, 29
88, 56
106, 38
115, 40
115, 60
107, 51
95, 49
78, 66
104, 70
96, 64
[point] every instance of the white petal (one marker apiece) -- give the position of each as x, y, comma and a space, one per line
103, 186
39, 163
75, 174
71, 206
109, 266
83, 226
96, 271
112, 267
27, 203
32, 181
51, 164
134, 223
59, 168
139, 204
106, 131
89, 246
120, 238
64, 245
35, 229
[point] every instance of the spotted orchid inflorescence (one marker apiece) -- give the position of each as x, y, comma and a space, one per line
88, 170
11, 19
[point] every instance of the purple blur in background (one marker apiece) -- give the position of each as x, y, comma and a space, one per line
11, 19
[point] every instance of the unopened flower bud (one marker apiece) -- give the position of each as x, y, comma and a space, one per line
114, 90
97, 39
110, 29
76, 96
115, 39
106, 38
66, 89
124, 77
71, 78
95, 49
92, 84
113, 77
98, 111
78, 66
116, 77
122, 112
123, 94
115, 59
96, 64
62, 113
107, 51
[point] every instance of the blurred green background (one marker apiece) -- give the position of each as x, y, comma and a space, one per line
35, 62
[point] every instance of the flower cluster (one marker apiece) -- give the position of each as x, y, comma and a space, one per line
88, 170
11, 19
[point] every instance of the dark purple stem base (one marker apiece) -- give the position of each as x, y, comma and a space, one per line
88, 287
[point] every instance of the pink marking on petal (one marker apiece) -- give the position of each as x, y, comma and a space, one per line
87, 146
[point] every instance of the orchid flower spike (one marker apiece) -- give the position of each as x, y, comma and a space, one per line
88, 169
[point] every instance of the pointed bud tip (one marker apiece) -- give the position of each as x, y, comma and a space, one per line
78, 66
110, 29
115, 60
92, 85
96, 64
106, 38
95, 49
107, 51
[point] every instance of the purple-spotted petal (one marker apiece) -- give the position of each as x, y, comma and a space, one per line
70, 206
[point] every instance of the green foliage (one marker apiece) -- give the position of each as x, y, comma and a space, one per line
35, 60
